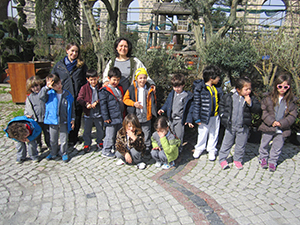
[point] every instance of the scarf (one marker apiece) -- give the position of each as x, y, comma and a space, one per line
70, 65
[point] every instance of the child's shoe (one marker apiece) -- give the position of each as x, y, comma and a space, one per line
100, 146
35, 160
108, 155
158, 164
224, 165
272, 167
86, 149
264, 164
238, 165
20, 161
65, 158
141, 165
120, 162
50, 157
197, 154
167, 166
211, 156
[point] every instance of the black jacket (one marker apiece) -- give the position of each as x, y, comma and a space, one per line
225, 110
201, 107
71, 81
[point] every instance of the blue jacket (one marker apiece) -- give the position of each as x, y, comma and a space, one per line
36, 129
202, 102
66, 109
167, 107
110, 107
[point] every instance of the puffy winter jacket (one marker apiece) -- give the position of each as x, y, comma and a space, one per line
202, 102
110, 106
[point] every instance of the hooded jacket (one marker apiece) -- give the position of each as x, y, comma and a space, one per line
35, 128
65, 111
131, 97
201, 109
110, 106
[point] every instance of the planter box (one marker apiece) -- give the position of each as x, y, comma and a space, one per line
19, 72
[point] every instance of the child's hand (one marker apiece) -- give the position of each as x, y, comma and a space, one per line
154, 88
247, 99
190, 125
160, 112
199, 124
94, 104
26, 140
107, 121
49, 82
72, 124
138, 105
276, 124
131, 134
28, 116
88, 106
156, 148
162, 133
128, 158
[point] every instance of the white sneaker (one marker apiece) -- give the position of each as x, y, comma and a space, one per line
141, 165
158, 164
197, 154
120, 162
211, 156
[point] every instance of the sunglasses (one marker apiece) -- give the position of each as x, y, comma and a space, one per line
281, 86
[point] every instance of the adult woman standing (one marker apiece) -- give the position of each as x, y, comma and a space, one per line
71, 70
125, 62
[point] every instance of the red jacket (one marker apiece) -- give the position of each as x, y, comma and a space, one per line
85, 96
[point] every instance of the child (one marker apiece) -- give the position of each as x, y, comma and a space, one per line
88, 97
279, 112
141, 101
130, 145
35, 108
177, 106
112, 109
23, 129
165, 144
235, 112
59, 114
205, 111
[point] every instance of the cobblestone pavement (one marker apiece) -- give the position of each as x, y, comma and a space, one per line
91, 189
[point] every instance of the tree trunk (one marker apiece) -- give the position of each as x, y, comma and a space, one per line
87, 9
3, 9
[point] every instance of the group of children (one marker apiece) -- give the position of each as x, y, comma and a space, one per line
127, 118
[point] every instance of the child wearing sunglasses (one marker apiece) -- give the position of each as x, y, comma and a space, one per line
279, 113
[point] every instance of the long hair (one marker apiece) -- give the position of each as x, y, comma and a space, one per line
128, 43
80, 61
161, 122
33, 81
131, 118
288, 95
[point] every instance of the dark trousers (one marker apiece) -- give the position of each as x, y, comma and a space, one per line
73, 135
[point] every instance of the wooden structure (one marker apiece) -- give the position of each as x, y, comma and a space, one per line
168, 9
19, 72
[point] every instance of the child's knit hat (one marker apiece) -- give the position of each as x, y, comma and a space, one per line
140, 71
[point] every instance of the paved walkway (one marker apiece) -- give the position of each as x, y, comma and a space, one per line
90, 189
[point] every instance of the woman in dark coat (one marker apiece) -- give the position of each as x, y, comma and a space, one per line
71, 70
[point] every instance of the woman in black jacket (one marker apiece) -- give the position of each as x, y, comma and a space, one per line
71, 70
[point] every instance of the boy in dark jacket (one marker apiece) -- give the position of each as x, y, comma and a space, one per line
235, 112
59, 114
205, 111
177, 107
23, 129
88, 98
112, 110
